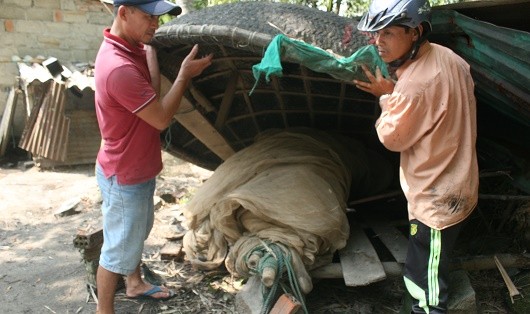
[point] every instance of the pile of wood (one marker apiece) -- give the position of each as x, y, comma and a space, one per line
60, 125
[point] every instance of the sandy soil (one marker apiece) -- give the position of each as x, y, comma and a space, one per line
40, 269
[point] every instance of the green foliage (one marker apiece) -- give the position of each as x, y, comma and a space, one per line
166, 17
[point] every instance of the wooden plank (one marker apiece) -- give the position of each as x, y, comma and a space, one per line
201, 128
394, 240
226, 103
172, 251
198, 125
507, 280
360, 264
334, 270
375, 197
469, 263
7, 120
201, 99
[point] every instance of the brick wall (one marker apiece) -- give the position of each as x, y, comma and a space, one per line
69, 30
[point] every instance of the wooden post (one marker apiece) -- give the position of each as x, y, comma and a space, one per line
7, 119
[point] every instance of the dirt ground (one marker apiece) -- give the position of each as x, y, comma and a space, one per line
42, 272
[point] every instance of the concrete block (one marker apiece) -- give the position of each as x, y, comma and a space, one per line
18, 3
39, 14
49, 42
79, 55
50, 4
91, 6
60, 54
78, 43
27, 45
100, 18
87, 31
64, 30
13, 12
68, 5
31, 27
75, 17
7, 39
8, 78
250, 299
91, 54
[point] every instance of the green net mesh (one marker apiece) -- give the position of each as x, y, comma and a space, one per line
316, 59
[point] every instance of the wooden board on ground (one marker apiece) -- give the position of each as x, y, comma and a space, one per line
359, 260
394, 240
172, 251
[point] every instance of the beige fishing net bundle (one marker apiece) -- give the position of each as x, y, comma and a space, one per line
289, 187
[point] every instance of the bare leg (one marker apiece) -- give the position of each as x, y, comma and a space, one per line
136, 286
106, 284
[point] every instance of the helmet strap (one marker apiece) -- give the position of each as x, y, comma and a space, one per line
394, 65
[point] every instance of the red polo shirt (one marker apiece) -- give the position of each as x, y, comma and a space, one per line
131, 148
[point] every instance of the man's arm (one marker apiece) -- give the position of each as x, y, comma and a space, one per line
154, 68
160, 111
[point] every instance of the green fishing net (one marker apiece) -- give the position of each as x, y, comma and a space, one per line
316, 59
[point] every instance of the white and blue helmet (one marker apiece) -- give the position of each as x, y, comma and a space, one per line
385, 13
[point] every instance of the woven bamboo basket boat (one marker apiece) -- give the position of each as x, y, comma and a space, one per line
230, 116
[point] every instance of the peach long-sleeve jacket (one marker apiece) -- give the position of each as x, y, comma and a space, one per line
430, 118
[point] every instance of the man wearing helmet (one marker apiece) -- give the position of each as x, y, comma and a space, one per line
428, 114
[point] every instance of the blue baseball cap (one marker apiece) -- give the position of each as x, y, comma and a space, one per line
153, 7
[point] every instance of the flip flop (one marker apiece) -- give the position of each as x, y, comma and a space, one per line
148, 295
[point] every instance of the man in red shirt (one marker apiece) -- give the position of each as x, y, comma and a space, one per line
131, 113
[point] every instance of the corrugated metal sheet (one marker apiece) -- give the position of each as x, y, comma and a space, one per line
506, 13
48, 135
58, 131
37, 72
499, 59
83, 141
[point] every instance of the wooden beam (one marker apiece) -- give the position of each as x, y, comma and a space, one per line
359, 260
226, 103
507, 280
308, 93
279, 98
334, 270
172, 251
469, 263
198, 125
376, 197
394, 240
7, 119
201, 99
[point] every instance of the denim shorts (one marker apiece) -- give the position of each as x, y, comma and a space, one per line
128, 216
